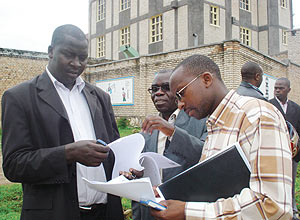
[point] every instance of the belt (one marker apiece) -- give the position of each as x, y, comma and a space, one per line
93, 207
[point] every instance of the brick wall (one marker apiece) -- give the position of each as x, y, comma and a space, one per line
294, 45
229, 55
17, 66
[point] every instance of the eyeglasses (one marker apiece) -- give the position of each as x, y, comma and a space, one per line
179, 95
155, 88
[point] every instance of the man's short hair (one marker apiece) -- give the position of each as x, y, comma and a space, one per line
197, 64
286, 81
164, 71
61, 32
250, 69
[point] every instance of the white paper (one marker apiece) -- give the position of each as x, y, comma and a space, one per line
128, 155
137, 189
152, 162
127, 152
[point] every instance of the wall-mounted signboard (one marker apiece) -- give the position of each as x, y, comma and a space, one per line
119, 89
267, 86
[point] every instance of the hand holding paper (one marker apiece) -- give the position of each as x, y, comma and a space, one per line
128, 155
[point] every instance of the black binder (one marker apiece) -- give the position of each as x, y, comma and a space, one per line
221, 176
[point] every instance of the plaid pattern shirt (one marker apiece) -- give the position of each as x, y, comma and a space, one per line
262, 133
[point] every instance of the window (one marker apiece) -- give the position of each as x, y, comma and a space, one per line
124, 4
284, 37
214, 15
125, 36
101, 46
245, 4
101, 9
245, 36
156, 29
283, 3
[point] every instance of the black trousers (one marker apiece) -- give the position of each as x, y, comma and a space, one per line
97, 212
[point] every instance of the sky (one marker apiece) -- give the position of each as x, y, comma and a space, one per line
29, 24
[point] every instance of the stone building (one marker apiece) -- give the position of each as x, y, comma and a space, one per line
17, 66
229, 55
156, 26
294, 46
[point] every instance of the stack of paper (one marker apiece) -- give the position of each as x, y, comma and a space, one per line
136, 190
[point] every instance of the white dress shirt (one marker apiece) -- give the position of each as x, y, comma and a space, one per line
162, 138
283, 106
82, 127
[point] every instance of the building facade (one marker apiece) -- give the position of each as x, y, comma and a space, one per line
155, 26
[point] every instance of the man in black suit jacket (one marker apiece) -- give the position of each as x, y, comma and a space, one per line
172, 133
50, 126
252, 76
291, 112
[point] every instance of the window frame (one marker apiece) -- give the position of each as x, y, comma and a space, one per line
284, 37
125, 4
101, 15
125, 36
244, 4
214, 16
101, 49
283, 3
245, 35
156, 29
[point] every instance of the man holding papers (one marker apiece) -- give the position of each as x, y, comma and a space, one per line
261, 132
172, 133
50, 125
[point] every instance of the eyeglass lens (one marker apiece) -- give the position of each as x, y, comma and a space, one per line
163, 87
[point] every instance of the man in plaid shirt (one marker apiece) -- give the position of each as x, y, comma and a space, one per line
259, 128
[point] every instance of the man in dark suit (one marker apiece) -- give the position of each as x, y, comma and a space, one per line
171, 133
291, 112
252, 76
50, 126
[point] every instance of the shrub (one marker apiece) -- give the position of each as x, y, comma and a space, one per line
122, 122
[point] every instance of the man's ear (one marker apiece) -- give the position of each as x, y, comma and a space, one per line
257, 76
50, 52
207, 79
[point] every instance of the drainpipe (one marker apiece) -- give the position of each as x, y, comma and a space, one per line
195, 39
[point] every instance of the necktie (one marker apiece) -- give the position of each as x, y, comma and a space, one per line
166, 146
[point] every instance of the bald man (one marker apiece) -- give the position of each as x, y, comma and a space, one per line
252, 76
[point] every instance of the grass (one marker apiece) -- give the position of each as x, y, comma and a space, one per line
11, 201
11, 194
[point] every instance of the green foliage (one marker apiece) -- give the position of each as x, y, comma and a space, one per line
11, 194
11, 201
122, 122
297, 188
126, 203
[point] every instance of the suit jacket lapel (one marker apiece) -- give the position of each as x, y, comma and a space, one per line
153, 141
91, 99
182, 119
278, 106
290, 111
48, 93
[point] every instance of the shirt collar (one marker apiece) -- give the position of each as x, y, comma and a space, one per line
173, 116
280, 101
79, 83
254, 87
213, 118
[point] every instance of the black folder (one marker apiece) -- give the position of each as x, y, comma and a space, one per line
221, 176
